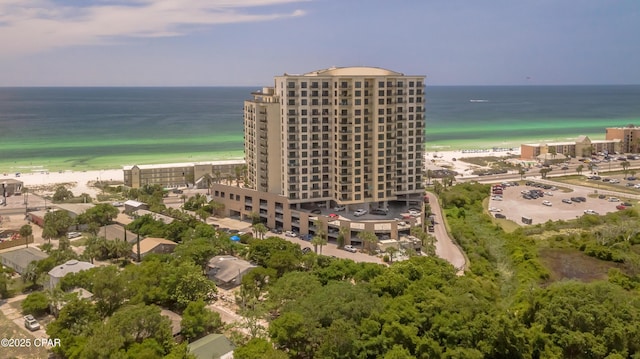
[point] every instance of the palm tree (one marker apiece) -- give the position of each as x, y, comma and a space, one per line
342, 233
259, 229
26, 232
625, 167
391, 251
370, 239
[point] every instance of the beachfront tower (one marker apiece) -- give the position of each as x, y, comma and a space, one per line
339, 136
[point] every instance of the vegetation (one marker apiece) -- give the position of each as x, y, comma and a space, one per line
514, 301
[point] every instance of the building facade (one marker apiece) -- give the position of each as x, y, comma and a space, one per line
351, 137
583, 146
338, 136
628, 135
172, 175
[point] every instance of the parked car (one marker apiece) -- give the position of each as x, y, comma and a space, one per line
414, 213
380, 211
72, 235
316, 211
547, 203
621, 207
500, 215
494, 209
567, 201
339, 208
614, 199
333, 216
360, 212
590, 211
306, 237
290, 234
31, 323
350, 248
306, 250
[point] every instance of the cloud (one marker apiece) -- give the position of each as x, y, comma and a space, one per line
32, 26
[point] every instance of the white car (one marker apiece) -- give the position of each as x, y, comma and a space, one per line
350, 248
547, 203
360, 212
494, 209
590, 211
290, 234
548, 194
614, 199
637, 185
497, 198
31, 323
414, 213
339, 208
72, 235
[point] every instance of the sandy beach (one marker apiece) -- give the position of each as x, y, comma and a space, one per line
81, 181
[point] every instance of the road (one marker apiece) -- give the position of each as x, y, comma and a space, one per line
445, 246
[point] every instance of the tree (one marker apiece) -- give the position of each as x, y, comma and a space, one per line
579, 169
320, 238
109, 289
100, 214
391, 251
198, 321
26, 232
259, 229
31, 273
544, 172
370, 241
56, 224
238, 172
258, 348
625, 167
62, 194
342, 233
36, 303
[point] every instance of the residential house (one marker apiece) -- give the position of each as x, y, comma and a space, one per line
227, 271
213, 346
19, 259
70, 266
153, 245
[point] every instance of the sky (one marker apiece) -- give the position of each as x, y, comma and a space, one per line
248, 42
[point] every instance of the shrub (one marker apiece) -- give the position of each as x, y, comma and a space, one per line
36, 303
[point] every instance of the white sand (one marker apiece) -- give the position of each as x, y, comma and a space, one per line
445, 159
80, 181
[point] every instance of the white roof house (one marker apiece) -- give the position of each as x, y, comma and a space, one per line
70, 266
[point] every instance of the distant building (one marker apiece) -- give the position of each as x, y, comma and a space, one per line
628, 135
117, 232
583, 146
213, 346
10, 186
172, 175
19, 259
131, 206
153, 245
176, 321
227, 271
71, 266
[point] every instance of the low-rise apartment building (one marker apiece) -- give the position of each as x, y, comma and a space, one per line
583, 146
171, 175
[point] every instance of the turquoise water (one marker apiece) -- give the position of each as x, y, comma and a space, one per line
99, 128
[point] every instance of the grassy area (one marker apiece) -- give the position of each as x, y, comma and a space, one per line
10, 330
596, 185
82, 241
489, 161
568, 263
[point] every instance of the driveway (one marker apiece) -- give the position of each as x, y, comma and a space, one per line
445, 247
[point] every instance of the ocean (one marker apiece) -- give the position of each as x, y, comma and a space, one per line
48, 129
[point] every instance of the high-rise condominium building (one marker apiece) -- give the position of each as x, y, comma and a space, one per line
340, 136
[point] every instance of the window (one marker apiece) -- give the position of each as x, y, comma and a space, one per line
358, 84
381, 84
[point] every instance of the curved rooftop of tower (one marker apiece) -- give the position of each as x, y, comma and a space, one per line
354, 71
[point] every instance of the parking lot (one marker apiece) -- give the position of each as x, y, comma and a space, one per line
514, 206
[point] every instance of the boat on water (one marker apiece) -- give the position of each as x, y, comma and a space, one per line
478, 100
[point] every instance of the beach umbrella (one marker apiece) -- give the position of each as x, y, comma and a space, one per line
235, 238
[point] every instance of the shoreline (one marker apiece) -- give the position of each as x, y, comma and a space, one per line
41, 180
